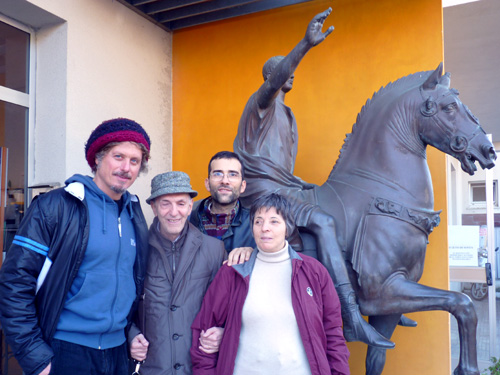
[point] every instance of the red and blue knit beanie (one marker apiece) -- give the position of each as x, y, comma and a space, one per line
115, 130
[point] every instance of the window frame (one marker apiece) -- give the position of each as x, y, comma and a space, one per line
482, 184
26, 100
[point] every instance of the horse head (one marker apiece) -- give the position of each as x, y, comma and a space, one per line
447, 124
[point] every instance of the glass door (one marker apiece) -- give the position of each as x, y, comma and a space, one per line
14, 110
15, 101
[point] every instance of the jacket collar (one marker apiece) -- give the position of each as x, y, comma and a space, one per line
77, 189
188, 251
198, 208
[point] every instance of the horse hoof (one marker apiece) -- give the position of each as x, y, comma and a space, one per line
404, 321
357, 329
461, 371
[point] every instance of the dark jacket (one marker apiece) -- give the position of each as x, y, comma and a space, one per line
315, 303
55, 229
238, 234
170, 302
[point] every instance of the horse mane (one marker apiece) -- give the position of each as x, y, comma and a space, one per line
404, 83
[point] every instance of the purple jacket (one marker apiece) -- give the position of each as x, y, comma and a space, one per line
318, 317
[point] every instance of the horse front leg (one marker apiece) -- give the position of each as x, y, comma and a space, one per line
399, 296
330, 255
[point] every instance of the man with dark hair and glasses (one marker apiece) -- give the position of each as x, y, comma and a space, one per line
222, 215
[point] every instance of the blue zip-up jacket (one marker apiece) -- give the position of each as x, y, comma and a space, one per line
52, 236
99, 300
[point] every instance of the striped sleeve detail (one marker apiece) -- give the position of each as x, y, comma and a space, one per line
43, 273
31, 245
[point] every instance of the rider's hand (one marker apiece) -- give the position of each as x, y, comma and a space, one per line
314, 35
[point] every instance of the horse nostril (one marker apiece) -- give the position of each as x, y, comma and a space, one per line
493, 154
489, 152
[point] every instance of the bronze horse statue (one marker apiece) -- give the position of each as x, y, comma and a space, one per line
380, 197
380, 194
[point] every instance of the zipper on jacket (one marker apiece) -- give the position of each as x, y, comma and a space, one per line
173, 259
117, 283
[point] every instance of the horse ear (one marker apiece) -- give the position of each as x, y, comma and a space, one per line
445, 80
434, 78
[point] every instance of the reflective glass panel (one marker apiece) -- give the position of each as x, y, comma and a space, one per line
13, 124
14, 58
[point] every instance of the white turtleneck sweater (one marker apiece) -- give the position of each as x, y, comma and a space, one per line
270, 342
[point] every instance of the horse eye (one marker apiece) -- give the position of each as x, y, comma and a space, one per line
450, 108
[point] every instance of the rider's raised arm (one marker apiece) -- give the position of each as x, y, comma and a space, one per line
286, 67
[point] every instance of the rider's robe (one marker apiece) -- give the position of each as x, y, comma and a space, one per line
267, 144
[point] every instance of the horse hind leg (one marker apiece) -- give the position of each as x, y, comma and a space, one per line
375, 357
467, 333
403, 296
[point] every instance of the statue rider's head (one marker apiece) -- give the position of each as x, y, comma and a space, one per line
268, 68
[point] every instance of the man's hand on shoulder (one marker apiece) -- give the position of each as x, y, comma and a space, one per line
238, 256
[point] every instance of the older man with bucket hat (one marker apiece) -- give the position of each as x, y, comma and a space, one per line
182, 263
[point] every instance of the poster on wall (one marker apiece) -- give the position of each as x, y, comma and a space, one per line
463, 245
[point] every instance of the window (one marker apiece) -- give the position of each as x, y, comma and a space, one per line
15, 101
477, 193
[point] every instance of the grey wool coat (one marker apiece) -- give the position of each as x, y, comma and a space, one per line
170, 302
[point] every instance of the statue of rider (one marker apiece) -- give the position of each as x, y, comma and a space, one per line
267, 144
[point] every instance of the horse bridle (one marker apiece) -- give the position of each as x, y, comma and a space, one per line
458, 143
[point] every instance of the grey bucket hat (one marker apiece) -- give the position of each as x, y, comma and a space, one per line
171, 183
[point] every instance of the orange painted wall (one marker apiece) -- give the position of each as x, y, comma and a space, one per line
217, 67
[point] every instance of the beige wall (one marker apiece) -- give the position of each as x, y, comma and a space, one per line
95, 60
471, 40
471, 36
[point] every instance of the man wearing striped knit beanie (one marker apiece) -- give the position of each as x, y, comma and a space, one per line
72, 276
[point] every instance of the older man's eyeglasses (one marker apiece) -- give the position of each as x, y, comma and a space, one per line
231, 176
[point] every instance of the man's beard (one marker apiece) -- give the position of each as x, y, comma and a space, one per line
118, 189
229, 200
